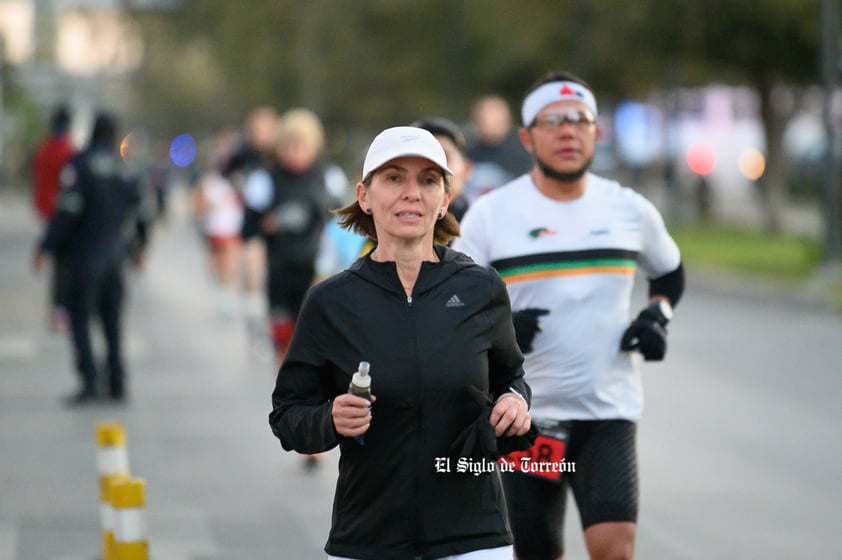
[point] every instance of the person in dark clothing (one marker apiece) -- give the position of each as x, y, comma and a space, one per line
289, 203
260, 138
496, 152
100, 197
453, 142
446, 373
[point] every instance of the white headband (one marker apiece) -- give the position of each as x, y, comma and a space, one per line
552, 92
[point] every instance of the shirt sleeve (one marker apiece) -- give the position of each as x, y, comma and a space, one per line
473, 240
303, 397
659, 253
258, 190
336, 184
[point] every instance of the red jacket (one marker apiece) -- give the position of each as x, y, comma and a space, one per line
53, 153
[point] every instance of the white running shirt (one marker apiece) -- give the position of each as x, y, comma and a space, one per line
578, 260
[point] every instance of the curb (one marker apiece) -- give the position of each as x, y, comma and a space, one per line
816, 294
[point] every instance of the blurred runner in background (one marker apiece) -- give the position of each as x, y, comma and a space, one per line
496, 153
49, 159
218, 207
453, 141
289, 202
255, 152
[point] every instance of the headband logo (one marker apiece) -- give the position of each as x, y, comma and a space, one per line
566, 90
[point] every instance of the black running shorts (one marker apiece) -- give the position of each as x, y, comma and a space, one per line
604, 485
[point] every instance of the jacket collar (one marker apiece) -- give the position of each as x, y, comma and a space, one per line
385, 274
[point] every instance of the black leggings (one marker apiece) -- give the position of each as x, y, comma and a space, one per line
604, 484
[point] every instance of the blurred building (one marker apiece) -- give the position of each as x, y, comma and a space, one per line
83, 53
70, 50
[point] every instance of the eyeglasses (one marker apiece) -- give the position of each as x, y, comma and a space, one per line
574, 117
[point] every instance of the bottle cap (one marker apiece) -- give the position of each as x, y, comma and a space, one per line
361, 378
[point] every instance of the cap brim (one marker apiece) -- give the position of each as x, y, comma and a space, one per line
444, 168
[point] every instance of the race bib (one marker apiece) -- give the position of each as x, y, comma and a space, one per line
545, 459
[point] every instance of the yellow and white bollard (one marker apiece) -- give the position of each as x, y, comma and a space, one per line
112, 463
111, 455
106, 513
128, 497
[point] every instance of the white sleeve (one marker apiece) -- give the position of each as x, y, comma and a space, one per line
258, 190
336, 182
659, 253
473, 240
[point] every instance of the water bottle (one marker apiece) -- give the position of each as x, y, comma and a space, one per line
361, 387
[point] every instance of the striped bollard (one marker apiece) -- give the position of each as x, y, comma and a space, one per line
106, 512
128, 497
112, 463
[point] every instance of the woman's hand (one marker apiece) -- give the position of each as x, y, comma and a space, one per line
351, 415
510, 416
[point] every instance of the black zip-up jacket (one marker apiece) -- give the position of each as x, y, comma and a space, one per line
392, 502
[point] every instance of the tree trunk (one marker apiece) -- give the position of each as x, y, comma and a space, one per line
770, 186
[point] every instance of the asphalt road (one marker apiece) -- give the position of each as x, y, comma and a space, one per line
739, 447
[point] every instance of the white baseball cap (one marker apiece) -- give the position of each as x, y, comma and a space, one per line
404, 141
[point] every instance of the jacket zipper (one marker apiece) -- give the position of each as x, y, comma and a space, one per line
419, 422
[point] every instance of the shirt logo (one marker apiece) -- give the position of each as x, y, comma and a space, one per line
454, 301
538, 232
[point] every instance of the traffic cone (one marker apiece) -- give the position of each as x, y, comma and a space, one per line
128, 498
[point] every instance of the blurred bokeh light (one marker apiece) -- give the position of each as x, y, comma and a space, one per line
701, 158
183, 150
126, 147
752, 164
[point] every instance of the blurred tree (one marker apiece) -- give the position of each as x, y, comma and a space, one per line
21, 126
380, 62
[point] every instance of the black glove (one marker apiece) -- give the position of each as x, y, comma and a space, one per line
526, 326
479, 442
647, 334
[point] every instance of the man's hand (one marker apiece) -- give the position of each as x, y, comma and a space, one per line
510, 416
647, 334
527, 326
351, 415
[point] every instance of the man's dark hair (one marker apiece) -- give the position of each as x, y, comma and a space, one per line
105, 129
60, 120
438, 126
556, 76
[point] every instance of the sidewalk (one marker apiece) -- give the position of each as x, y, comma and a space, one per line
219, 486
